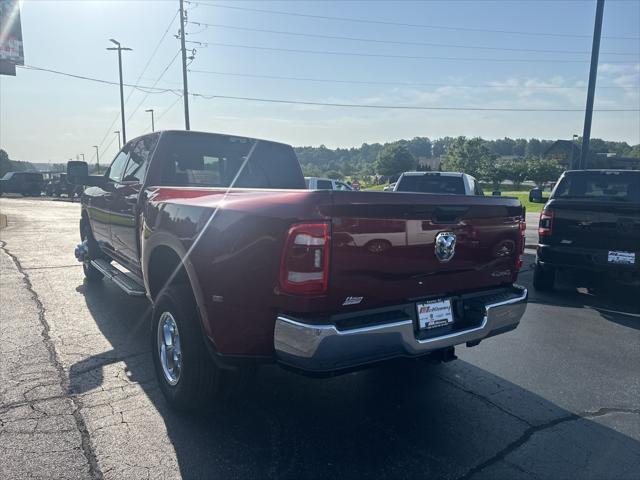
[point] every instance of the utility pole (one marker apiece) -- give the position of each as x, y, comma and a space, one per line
153, 127
593, 73
120, 48
97, 158
119, 144
185, 89
82, 155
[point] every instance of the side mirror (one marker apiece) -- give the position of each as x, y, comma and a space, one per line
535, 195
497, 193
77, 172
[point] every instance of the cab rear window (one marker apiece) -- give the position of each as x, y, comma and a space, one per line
613, 186
443, 184
211, 160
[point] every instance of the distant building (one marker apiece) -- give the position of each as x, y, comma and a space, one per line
567, 153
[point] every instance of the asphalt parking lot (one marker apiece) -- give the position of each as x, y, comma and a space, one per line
557, 398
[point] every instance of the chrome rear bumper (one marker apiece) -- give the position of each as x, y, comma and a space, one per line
323, 348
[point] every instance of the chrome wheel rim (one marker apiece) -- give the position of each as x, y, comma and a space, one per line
169, 348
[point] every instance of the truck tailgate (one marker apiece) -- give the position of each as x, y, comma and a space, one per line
383, 246
596, 225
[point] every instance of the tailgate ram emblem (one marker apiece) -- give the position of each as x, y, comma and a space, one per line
445, 246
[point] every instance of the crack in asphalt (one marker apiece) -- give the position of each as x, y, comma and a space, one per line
483, 399
529, 432
94, 469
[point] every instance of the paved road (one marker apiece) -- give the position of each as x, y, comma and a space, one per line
557, 398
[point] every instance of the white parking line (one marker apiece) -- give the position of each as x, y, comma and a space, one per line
636, 315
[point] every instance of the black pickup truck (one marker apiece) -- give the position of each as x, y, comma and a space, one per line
590, 227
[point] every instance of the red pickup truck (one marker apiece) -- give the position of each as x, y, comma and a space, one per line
244, 265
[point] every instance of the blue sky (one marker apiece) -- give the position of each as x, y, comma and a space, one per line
45, 117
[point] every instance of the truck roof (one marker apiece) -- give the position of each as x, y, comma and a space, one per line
196, 132
444, 174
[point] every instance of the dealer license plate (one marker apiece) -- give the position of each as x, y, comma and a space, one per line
625, 258
433, 314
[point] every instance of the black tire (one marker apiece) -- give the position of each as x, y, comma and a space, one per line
543, 278
91, 273
199, 378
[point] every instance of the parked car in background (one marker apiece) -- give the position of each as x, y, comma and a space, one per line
24, 183
316, 183
59, 185
191, 216
452, 183
590, 227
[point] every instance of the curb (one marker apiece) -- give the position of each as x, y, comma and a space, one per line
3, 220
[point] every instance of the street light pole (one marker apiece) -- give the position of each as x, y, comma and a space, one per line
120, 48
119, 144
153, 127
97, 158
573, 146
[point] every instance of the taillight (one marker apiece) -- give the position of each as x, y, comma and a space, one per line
545, 227
304, 268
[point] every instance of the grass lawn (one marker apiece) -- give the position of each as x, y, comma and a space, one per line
524, 199
523, 196
374, 188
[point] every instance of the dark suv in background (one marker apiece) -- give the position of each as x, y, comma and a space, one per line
25, 183
59, 185
590, 227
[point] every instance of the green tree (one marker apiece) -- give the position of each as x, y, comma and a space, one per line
542, 171
441, 145
495, 173
633, 151
395, 159
533, 148
517, 170
470, 156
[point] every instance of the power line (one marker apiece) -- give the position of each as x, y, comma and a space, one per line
407, 107
383, 55
97, 80
154, 84
398, 83
403, 24
168, 109
399, 42
373, 106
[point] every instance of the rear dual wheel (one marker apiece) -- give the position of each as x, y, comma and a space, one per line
187, 375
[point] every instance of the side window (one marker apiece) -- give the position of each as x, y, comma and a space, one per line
139, 158
324, 185
117, 166
342, 186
